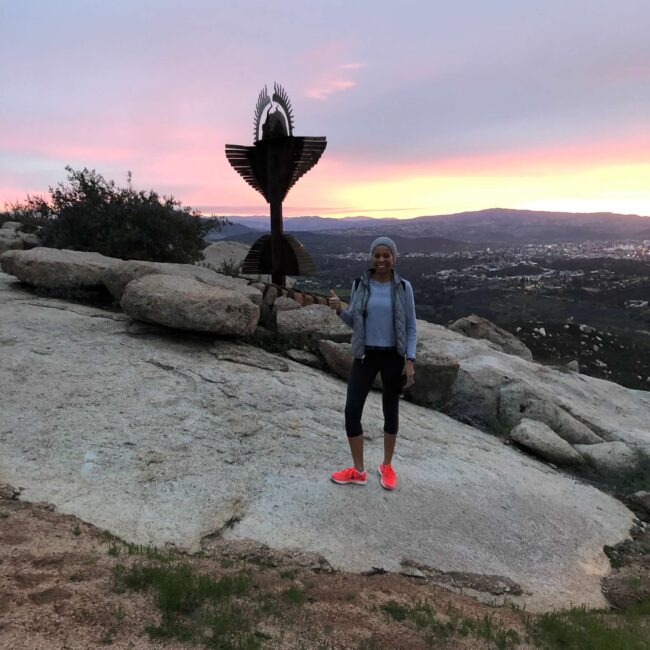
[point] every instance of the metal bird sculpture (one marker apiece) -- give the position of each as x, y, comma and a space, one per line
272, 166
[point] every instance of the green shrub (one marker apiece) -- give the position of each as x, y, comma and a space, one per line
89, 213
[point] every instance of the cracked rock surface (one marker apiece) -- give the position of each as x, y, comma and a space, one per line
166, 438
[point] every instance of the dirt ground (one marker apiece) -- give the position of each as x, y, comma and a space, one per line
57, 591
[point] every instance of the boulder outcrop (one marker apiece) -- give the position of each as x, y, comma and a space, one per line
480, 328
184, 303
610, 411
517, 401
167, 440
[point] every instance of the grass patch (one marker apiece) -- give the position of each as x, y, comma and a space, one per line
113, 550
582, 629
150, 552
4, 515
295, 596
395, 611
195, 607
76, 531
436, 629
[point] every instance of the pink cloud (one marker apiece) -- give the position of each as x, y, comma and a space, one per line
325, 87
352, 66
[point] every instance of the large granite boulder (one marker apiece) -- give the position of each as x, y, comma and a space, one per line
435, 374
185, 303
118, 276
542, 441
10, 226
480, 328
10, 240
518, 401
222, 255
227, 256
305, 327
338, 357
12, 237
610, 458
53, 268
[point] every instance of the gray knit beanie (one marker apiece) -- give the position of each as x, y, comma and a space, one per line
384, 241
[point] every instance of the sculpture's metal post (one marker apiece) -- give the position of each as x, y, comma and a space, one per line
272, 166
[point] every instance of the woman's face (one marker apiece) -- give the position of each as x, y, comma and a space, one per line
382, 259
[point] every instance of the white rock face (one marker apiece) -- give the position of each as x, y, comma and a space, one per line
186, 304
545, 443
165, 440
611, 411
610, 457
52, 268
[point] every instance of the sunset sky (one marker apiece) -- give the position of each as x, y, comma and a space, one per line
428, 107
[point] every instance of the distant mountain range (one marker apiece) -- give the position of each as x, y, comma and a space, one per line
455, 231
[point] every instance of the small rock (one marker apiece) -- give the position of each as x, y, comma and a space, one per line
285, 304
544, 442
613, 458
306, 358
641, 499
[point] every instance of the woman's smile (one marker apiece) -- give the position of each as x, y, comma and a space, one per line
382, 261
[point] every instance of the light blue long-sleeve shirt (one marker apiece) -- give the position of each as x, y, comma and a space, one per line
379, 329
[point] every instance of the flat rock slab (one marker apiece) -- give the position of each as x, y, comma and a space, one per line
121, 273
166, 440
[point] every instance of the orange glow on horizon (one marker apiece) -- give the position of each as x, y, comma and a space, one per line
605, 176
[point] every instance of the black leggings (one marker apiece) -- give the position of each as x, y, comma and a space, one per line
390, 365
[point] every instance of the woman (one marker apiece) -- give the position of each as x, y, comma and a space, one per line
382, 316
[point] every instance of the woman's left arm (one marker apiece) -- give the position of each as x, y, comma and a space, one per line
411, 337
411, 334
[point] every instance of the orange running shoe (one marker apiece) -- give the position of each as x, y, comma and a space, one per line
388, 477
349, 475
